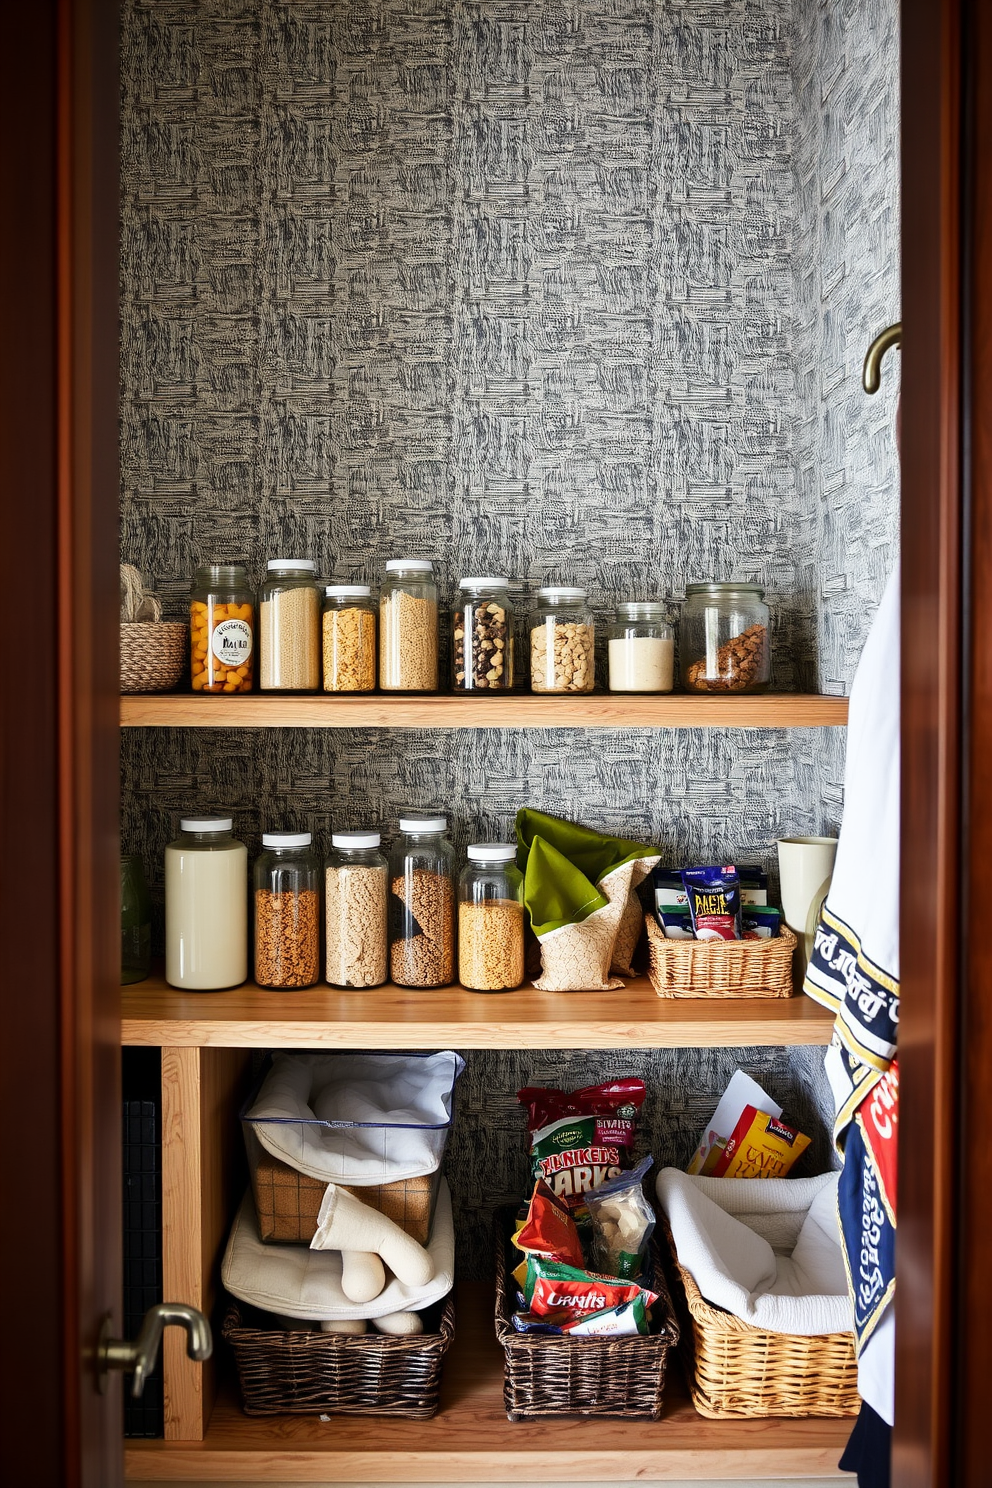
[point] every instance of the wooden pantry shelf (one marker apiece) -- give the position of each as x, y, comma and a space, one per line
601, 710
398, 1018
471, 1441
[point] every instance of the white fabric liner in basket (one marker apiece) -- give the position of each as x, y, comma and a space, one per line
302, 1283
360, 1119
765, 1249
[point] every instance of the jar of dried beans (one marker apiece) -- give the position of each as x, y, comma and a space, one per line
289, 627
422, 904
356, 883
562, 642
482, 637
491, 919
408, 627
287, 911
723, 638
221, 628
349, 638
206, 906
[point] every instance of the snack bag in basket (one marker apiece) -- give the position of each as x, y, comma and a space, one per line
549, 1229
581, 1138
622, 1221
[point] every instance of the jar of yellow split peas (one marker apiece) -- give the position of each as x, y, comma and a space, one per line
222, 628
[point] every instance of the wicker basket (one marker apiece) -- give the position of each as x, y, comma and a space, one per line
339, 1373
720, 968
153, 654
734, 1369
550, 1376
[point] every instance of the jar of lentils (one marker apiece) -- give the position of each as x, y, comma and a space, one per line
422, 904
491, 919
349, 638
287, 911
723, 638
562, 642
221, 628
356, 879
289, 627
408, 620
482, 637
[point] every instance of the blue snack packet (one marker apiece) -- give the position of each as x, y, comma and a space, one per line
714, 896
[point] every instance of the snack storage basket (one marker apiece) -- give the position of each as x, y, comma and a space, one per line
308, 1373
551, 1376
153, 654
720, 968
736, 1370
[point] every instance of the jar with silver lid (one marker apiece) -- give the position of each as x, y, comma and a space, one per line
289, 626
408, 619
562, 642
724, 638
641, 649
482, 637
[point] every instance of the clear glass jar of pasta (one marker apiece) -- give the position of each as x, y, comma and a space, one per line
723, 638
562, 642
289, 627
491, 919
408, 621
422, 904
221, 629
349, 626
356, 896
287, 911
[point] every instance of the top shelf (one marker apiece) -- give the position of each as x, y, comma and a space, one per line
524, 710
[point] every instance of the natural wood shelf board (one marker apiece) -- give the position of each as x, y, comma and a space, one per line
470, 1440
601, 710
397, 1018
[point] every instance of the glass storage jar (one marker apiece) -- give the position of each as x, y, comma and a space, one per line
408, 627
724, 638
641, 649
482, 637
562, 642
349, 638
356, 897
221, 628
287, 911
136, 921
422, 904
519, 630
289, 627
491, 919
206, 906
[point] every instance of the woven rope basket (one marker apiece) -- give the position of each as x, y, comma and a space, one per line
346, 1374
734, 1369
720, 968
153, 654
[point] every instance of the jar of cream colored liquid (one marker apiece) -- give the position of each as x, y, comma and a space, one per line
206, 906
641, 649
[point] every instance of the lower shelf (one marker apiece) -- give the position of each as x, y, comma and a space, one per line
471, 1441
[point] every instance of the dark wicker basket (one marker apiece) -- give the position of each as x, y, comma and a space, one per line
550, 1376
339, 1373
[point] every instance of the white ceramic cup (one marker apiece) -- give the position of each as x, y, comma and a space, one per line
805, 865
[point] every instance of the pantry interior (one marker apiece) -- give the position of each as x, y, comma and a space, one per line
576, 293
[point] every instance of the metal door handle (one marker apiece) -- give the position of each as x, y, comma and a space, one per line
138, 1358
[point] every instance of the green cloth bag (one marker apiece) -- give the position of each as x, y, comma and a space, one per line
556, 893
595, 853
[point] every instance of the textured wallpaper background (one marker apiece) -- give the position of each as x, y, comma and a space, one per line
577, 291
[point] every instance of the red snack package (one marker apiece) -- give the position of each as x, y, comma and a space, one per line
549, 1230
553, 1287
580, 1138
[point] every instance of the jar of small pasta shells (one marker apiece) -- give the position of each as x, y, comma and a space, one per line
408, 619
562, 642
349, 625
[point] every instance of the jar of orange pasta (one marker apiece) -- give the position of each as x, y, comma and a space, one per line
222, 629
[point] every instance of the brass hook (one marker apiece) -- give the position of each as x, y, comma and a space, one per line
871, 377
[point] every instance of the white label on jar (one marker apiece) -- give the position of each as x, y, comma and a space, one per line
231, 642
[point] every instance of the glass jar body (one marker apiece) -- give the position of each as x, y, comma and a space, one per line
206, 911
422, 910
222, 629
562, 646
408, 619
349, 627
640, 649
490, 926
482, 640
287, 917
724, 638
519, 634
356, 898
136, 921
289, 603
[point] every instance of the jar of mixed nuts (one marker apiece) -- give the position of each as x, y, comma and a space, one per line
422, 904
562, 642
641, 649
724, 638
356, 880
287, 911
408, 627
289, 627
491, 919
349, 638
482, 637
221, 628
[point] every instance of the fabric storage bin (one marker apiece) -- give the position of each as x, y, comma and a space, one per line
310, 1373
549, 1376
287, 1201
720, 968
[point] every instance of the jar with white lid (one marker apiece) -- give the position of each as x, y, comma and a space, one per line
641, 649
562, 642
206, 906
422, 904
724, 638
482, 637
491, 919
287, 911
356, 896
408, 619
349, 625
289, 626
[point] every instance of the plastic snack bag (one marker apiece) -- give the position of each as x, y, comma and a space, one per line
714, 896
553, 1287
580, 1139
549, 1229
622, 1222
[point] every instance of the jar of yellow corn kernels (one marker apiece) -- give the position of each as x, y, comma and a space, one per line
222, 628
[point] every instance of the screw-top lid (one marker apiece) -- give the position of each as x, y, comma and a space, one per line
647, 609
557, 592
287, 839
731, 587
206, 824
418, 565
351, 841
486, 582
492, 852
423, 823
343, 591
305, 565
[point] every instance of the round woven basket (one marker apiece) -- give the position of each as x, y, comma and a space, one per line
153, 654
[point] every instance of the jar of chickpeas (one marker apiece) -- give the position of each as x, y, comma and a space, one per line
222, 628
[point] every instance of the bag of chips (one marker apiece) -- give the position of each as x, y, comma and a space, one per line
549, 1229
714, 896
553, 1287
581, 1138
